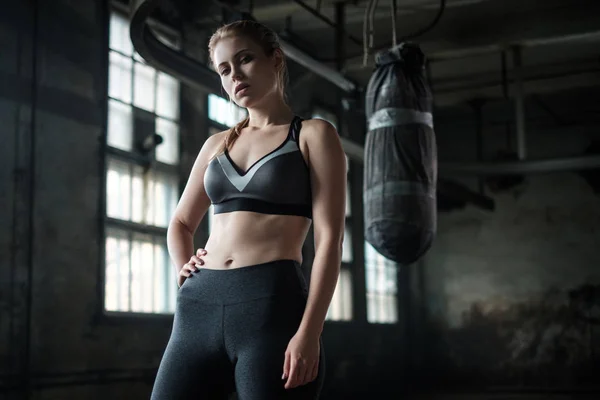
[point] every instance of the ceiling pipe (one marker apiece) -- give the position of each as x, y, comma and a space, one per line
191, 72
318, 68
166, 59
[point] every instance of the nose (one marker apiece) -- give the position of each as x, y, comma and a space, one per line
236, 73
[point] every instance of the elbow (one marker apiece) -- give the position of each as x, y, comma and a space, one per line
177, 226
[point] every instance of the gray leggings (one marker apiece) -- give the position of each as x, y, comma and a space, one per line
230, 333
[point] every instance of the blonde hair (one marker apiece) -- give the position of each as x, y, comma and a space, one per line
268, 40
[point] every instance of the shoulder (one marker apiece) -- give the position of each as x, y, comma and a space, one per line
318, 131
316, 126
209, 149
213, 143
323, 142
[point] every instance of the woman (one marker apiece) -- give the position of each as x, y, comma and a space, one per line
245, 320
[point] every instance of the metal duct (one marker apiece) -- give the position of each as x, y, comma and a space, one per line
164, 58
197, 75
193, 73
318, 68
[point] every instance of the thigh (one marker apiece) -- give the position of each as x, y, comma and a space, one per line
264, 329
194, 364
258, 376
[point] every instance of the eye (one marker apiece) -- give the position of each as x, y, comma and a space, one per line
224, 71
246, 59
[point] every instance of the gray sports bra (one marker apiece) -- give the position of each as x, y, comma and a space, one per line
278, 183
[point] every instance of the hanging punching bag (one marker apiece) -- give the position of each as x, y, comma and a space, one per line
400, 170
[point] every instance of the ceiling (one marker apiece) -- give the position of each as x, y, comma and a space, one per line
559, 39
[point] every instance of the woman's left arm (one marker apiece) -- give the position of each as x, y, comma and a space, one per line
327, 164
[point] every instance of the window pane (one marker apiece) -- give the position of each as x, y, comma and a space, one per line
119, 77
142, 271
117, 271
144, 86
120, 125
347, 245
154, 197
168, 150
138, 274
139, 200
119, 34
167, 96
164, 283
162, 191
340, 308
382, 287
224, 112
118, 190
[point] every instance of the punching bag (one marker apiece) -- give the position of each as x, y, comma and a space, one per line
400, 169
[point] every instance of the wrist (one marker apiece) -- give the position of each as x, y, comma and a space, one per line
310, 331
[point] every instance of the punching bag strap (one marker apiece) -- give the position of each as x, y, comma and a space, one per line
391, 116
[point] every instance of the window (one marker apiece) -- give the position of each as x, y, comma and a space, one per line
141, 182
222, 114
382, 289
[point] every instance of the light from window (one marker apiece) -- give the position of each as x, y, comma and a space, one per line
168, 150
382, 289
348, 198
133, 83
119, 34
137, 268
142, 197
224, 112
144, 86
138, 274
120, 125
119, 77
340, 308
167, 96
347, 245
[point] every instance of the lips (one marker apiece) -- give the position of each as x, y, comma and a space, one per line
241, 86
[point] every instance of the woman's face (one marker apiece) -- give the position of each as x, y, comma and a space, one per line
247, 74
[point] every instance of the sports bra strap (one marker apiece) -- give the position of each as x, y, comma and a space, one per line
295, 128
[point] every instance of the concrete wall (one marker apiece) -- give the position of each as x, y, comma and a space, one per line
54, 341
510, 298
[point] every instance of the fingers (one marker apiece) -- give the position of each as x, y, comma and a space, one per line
197, 261
187, 269
306, 372
200, 252
286, 366
299, 371
292, 380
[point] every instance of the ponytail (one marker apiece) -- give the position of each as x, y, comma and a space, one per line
232, 136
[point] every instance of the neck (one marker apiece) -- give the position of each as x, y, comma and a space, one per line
271, 112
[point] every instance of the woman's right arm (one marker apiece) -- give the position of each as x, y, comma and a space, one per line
191, 208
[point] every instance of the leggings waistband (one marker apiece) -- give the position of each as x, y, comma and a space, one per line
226, 286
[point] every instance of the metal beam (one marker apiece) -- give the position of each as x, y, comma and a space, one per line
318, 67
519, 103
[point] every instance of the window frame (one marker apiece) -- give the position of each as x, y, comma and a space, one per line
107, 152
